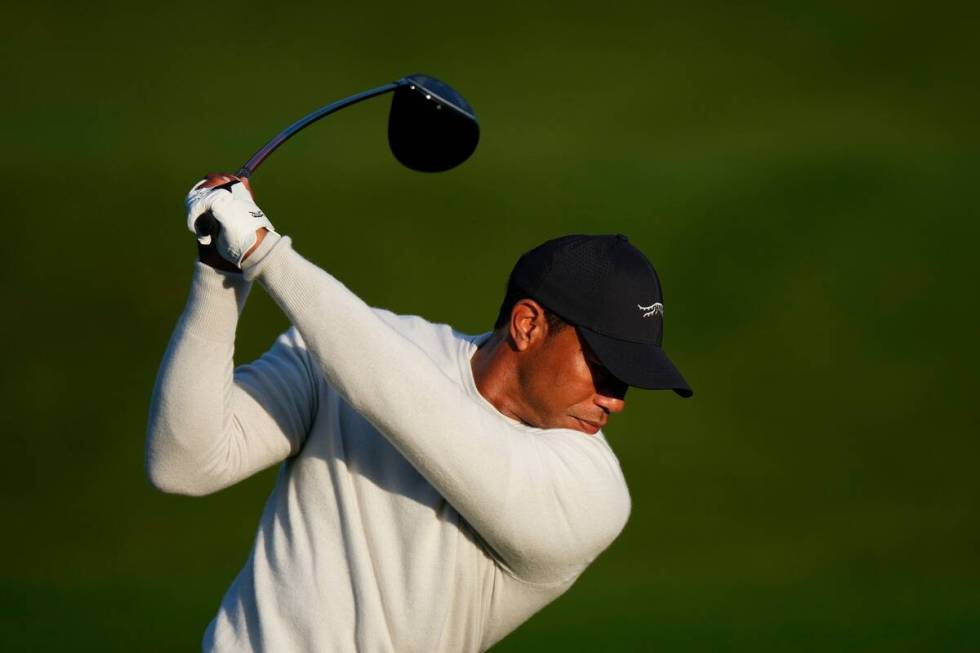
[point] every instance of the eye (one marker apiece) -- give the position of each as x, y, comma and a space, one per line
602, 377
592, 359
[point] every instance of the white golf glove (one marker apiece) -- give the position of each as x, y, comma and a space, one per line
237, 216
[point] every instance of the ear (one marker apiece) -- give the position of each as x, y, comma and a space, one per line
528, 325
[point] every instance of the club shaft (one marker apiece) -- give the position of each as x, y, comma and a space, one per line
253, 163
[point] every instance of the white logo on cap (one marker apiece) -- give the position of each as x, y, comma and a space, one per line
655, 308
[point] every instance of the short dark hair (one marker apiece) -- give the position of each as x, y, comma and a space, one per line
513, 295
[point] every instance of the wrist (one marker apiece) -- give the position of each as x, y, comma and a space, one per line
208, 254
262, 255
260, 235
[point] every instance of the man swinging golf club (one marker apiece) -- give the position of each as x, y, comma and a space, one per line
435, 489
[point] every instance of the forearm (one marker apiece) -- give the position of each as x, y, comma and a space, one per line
194, 382
206, 430
502, 479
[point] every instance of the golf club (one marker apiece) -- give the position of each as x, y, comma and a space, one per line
431, 128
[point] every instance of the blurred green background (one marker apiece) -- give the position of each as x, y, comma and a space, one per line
800, 174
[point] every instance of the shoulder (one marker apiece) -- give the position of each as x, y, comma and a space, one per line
588, 477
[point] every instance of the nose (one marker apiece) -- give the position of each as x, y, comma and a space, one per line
610, 392
610, 403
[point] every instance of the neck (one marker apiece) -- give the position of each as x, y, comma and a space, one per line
495, 376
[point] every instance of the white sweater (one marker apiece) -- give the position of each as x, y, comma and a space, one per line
409, 514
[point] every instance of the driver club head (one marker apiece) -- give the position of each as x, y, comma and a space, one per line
431, 128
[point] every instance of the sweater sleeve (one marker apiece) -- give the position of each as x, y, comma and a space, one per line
547, 502
210, 425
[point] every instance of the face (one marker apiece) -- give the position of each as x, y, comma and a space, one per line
565, 386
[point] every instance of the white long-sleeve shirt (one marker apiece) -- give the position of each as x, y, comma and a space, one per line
409, 514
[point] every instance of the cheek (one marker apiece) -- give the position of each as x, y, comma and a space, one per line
576, 373
561, 373
558, 379
547, 385
569, 382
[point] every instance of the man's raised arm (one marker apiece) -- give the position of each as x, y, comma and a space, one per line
211, 425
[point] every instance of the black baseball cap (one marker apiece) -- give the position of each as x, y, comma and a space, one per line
609, 291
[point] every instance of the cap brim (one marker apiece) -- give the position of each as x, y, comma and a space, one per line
637, 364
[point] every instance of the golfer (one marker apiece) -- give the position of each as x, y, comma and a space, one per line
435, 489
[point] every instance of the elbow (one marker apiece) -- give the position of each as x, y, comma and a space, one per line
171, 484
164, 480
170, 475
159, 480
162, 483
176, 463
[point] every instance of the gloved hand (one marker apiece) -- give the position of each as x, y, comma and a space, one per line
236, 218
